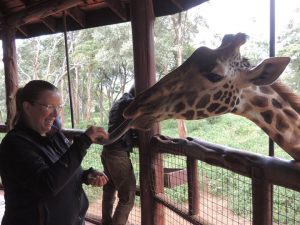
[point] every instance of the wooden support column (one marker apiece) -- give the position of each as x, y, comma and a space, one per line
10, 70
193, 185
144, 67
262, 198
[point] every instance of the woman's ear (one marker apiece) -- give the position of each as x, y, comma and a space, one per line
26, 106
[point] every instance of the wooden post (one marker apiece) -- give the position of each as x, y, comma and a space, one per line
144, 68
10, 70
262, 198
193, 186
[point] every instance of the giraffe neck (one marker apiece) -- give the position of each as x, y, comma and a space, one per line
275, 109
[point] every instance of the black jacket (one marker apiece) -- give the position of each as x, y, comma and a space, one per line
42, 178
127, 141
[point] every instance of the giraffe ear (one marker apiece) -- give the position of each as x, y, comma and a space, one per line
267, 71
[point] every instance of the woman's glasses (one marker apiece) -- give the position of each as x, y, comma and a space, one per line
50, 108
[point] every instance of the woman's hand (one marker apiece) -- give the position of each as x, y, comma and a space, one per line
97, 179
96, 134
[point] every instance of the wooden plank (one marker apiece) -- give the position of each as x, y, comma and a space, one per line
39, 11
77, 15
118, 7
262, 203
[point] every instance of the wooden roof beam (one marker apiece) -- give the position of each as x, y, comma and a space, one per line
118, 7
50, 23
77, 15
23, 30
40, 11
178, 5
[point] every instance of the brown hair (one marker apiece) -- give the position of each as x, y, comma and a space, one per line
30, 93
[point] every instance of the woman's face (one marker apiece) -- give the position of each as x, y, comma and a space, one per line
41, 113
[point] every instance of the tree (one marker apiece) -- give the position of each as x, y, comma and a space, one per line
289, 46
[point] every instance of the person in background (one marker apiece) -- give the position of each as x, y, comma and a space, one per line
40, 168
118, 167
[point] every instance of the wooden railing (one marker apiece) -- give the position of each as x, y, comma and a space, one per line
264, 172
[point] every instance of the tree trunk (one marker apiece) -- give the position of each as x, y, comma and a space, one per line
89, 96
178, 26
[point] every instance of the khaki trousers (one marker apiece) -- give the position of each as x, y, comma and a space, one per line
118, 167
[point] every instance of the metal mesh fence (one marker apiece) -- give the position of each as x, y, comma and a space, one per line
224, 197
286, 206
92, 159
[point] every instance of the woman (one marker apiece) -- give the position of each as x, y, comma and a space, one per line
41, 170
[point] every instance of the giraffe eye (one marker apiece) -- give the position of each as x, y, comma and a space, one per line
213, 77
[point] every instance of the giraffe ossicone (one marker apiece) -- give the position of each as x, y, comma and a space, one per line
212, 82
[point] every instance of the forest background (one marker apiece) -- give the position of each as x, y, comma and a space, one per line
101, 69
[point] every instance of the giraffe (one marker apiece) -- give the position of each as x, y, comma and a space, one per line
212, 82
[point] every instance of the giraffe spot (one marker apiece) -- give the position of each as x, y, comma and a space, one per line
276, 103
217, 95
234, 110
189, 114
279, 139
212, 107
224, 95
227, 101
267, 116
232, 104
281, 125
203, 101
201, 114
238, 101
222, 110
231, 87
225, 86
191, 97
179, 107
259, 101
266, 90
290, 113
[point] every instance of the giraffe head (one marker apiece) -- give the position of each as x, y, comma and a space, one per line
209, 83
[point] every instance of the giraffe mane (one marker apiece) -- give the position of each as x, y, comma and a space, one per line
286, 93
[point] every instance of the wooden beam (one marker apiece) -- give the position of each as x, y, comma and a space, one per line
10, 72
50, 23
178, 5
23, 30
40, 11
77, 15
118, 7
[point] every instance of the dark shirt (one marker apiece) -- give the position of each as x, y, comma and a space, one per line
126, 142
42, 178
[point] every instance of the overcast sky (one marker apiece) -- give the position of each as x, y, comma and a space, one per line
251, 17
